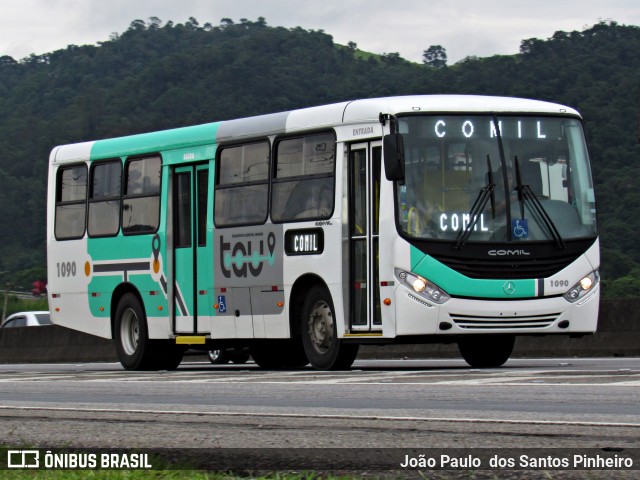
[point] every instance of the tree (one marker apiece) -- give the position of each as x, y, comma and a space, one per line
154, 23
7, 61
137, 25
435, 56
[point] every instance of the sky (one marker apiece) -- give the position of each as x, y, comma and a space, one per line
463, 27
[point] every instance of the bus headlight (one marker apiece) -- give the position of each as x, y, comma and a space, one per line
423, 287
584, 286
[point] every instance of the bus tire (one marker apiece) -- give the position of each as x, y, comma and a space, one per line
167, 355
486, 351
132, 343
323, 348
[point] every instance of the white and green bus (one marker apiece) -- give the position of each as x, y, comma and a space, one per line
304, 234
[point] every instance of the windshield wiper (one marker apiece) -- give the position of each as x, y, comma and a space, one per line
486, 193
526, 194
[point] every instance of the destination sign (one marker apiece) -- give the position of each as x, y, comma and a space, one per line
457, 221
309, 241
527, 128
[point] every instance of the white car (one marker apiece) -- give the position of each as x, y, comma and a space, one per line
27, 319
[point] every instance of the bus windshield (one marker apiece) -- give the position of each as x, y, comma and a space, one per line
495, 179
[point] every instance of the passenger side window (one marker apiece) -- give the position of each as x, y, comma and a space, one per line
16, 322
71, 202
141, 199
104, 199
303, 184
242, 185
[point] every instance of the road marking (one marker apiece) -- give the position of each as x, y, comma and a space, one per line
565, 378
322, 416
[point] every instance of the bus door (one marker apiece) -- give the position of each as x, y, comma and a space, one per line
190, 279
364, 212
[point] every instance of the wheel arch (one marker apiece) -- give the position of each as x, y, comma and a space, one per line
296, 302
118, 293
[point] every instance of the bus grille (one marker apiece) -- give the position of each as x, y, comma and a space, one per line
476, 322
511, 269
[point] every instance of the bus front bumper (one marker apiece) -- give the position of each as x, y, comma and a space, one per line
459, 316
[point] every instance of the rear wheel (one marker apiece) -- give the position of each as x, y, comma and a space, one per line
134, 348
322, 346
486, 351
168, 356
130, 333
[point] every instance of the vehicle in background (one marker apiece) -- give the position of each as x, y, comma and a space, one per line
39, 288
27, 319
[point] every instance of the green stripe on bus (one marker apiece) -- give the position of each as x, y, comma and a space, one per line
155, 141
458, 285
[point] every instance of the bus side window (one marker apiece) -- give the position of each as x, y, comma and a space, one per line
71, 202
104, 199
141, 200
242, 185
303, 185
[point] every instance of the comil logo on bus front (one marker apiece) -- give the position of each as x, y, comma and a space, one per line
508, 253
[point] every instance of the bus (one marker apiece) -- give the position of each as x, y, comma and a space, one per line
302, 235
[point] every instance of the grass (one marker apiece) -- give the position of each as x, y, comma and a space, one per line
164, 470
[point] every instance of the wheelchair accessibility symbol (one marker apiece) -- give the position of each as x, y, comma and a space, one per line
222, 304
520, 228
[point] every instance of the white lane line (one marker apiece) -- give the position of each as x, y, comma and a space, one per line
381, 380
321, 416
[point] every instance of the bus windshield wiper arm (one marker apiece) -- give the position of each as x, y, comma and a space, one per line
486, 193
525, 194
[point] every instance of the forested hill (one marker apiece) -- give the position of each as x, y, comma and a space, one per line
158, 75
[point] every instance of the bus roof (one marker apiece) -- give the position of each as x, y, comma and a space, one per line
351, 112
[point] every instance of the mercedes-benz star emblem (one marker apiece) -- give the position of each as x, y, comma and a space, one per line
509, 288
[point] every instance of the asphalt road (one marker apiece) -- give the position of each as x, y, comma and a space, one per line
559, 403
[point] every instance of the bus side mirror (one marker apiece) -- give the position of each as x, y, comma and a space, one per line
393, 150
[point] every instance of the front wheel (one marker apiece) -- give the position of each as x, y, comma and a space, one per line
322, 346
486, 351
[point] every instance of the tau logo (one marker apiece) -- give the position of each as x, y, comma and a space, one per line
242, 259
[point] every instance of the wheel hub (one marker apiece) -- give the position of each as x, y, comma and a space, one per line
130, 331
321, 327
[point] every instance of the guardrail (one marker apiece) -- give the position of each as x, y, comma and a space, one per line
618, 335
